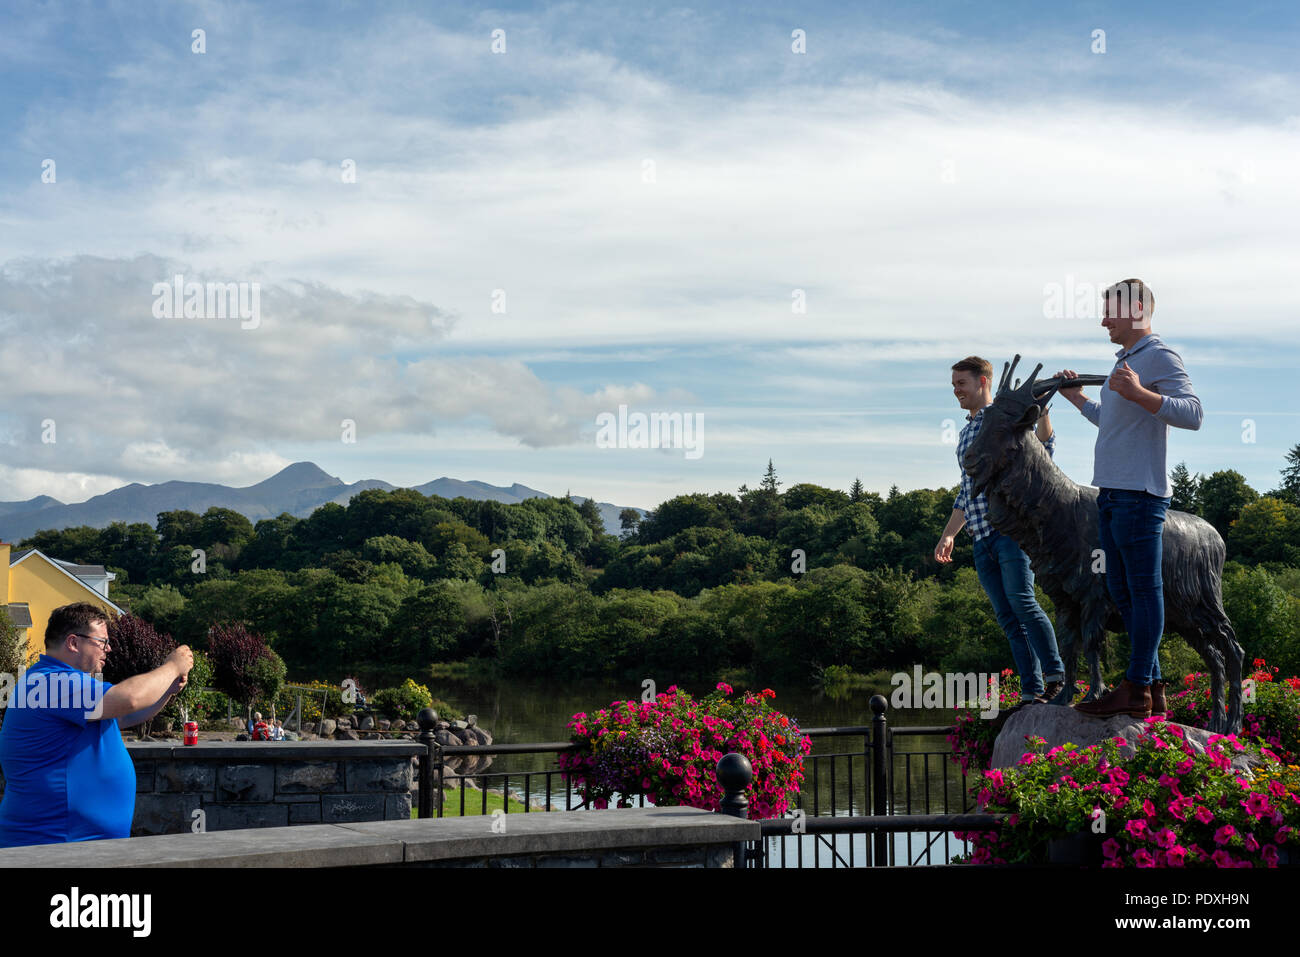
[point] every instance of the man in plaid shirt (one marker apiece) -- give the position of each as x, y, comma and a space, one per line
1002, 566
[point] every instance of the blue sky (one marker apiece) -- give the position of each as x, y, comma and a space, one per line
646, 190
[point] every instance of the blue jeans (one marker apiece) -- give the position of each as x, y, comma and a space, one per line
1004, 572
1132, 536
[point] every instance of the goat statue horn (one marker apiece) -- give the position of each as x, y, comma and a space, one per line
1007, 373
1029, 383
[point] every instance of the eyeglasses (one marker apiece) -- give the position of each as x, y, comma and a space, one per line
102, 641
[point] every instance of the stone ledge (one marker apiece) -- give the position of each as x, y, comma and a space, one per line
254, 752
559, 832
400, 842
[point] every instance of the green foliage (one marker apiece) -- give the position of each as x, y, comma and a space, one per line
1265, 617
403, 702
425, 627
398, 581
1187, 490
1221, 498
1266, 530
13, 652
193, 703
1289, 490
161, 606
414, 560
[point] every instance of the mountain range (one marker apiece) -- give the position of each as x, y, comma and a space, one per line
298, 489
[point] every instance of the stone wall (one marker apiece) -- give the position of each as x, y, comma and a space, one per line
260, 784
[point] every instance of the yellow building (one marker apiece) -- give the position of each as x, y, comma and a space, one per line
32, 585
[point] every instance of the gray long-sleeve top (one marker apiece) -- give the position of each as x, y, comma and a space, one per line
1132, 442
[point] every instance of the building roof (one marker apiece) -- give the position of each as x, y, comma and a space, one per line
85, 571
63, 567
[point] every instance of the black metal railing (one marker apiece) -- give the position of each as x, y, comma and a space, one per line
904, 800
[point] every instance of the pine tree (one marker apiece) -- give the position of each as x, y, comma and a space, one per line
857, 493
769, 483
1290, 488
590, 513
1186, 496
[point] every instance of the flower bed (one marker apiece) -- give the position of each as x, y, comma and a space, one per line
1271, 720
1165, 806
667, 749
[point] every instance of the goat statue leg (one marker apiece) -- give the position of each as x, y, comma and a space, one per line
1069, 649
1096, 686
1234, 657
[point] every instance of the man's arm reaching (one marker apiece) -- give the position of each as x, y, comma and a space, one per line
144, 714
139, 693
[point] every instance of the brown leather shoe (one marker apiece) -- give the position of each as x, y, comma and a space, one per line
1158, 705
1128, 698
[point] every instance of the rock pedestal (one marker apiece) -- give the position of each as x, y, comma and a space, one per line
1062, 725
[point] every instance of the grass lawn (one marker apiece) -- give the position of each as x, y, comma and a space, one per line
473, 804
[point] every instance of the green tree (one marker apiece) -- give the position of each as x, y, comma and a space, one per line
411, 556
224, 526
1222, 496
13, 653
590, 513
769, 482
426, 627
1262, 615
805, 494
1267, 530
80, 544
272, 544
1186, 487
680, 513
161, 606
178, 527
1289, 490
374, 512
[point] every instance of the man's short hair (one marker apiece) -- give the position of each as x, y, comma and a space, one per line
72, 620
1128, 291
975, 365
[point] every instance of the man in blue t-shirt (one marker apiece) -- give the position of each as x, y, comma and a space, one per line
67, 774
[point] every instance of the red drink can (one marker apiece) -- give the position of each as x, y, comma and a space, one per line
191, 732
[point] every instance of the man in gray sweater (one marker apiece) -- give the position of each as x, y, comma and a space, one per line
1147, 392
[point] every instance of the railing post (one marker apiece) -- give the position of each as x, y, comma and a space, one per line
735, 774
879, 776
428, 720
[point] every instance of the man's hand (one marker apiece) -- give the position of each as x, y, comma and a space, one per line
183, 659
1124, 382
943, 551
1074, 395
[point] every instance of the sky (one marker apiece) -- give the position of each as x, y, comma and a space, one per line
469, 232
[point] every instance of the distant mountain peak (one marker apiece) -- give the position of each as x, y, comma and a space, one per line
300, 475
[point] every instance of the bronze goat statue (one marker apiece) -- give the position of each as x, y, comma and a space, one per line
1055, 521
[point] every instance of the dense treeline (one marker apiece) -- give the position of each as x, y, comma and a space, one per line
782, 583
